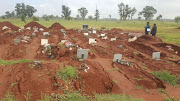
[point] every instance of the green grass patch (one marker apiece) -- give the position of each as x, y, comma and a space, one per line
68, 72
162, 91
9, 97
167, 77
2, 62
115, 97
171, 99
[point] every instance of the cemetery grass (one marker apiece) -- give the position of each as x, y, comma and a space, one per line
166, 29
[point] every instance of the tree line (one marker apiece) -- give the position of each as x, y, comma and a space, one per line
124, 10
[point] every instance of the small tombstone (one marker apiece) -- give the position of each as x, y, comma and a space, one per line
103, 35
41, 29
63, 41
82, 54
117, 57
28, 28
85, 27
44, 41
46, 33
94, 31
113, 39
86, 34
16, 41
92, 40
5, 27
156, 55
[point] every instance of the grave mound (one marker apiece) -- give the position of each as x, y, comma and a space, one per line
33, 24
9, 25
56, 26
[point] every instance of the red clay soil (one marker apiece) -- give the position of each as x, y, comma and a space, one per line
56, 26
15, 52
9, 25
33, 24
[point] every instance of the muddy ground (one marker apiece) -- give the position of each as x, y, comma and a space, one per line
104, 76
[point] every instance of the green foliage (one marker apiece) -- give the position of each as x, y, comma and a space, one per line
162, 91
177, 19
167, 77
66, 12
115, 97
97, 15
67, 73
83, 12
9, 97
171, 99
23, 17
159, 17
13, 84
148, 12
139, 87
2, 62
115, 82
35, 18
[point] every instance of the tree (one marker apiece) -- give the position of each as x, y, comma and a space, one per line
35, 18
23, 17
77, 16
83, 12
125, 11
148, 12
133, 11
97, 15
10, 15
27, 11
177, 19
90, 17
109, 16
159, 17
66, 12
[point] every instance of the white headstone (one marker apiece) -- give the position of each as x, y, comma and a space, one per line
46, 33
44, 41
82, 54
86, 34
117, 57
113, 39
156, 55
5, 27
103, 35
92, 40
41, 29
63, 41
94, 31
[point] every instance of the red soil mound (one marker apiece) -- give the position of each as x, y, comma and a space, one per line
57, 26
8, 24
33, 24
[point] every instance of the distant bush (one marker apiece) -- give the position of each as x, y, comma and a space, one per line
23, 17
167, 77
68, 73
35, 18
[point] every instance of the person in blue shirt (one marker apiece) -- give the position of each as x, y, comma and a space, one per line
147, 28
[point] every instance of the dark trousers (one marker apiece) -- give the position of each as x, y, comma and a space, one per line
153, 34
146, 32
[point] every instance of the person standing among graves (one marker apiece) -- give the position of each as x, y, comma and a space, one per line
147, 28
154, 30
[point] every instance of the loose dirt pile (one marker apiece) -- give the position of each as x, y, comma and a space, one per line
9, 25
33, 24
57, 26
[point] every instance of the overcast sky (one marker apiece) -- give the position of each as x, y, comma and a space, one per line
168, 8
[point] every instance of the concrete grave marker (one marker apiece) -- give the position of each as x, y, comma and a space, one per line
86, 34
35, 29
63, 41
103, 35
46, 33
117, 57
94, 31
41, 29
44, 41
82, 54
85, 27
156, 55
92, 41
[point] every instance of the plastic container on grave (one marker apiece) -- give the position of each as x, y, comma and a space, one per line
85, 27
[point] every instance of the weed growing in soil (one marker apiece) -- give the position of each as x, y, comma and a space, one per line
139, 87
167, 77
2, 62
171, 99
115, 82
9, 97
115, 97
115, 69
67, 73
13, 84
162, 91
